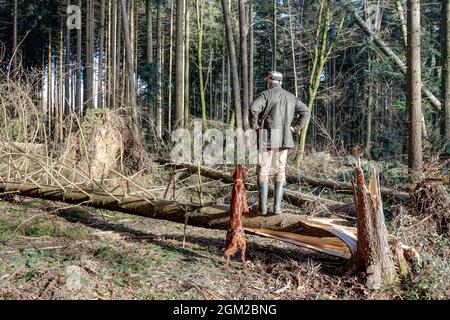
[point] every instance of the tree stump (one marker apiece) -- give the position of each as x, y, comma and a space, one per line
373, 254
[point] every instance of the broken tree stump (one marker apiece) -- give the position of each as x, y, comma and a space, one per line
373, 255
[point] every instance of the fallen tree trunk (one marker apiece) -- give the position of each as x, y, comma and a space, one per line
319, 234
302, 231
293, 197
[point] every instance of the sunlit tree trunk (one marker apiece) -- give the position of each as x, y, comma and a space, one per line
244, 64
199, 12
101, 55
78, 102
187, 65
274, 35
251, 53
414, 83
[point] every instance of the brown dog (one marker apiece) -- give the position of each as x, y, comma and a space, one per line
235, 235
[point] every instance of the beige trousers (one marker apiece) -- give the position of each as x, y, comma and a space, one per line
272, 159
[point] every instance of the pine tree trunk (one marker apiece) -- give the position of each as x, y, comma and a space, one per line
130, 68
159, 128
446, 71
414, 88
233, 63
78, 102
274, 36
50, 85
169, 102
101, 55
68, 72
199, 13
14, 49
187, 65
292, 36
179, 66
244, 64
251, 53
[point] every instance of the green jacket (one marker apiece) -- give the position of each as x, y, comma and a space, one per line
274, 110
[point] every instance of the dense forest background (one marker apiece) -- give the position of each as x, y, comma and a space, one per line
356, 92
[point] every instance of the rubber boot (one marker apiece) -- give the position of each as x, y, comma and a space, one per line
278, 197
263, 192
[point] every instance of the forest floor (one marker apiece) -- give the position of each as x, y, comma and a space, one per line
50, 251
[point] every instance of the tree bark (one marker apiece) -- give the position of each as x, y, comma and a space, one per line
233, 63
414, 83
179, 66
373, 254
244, 64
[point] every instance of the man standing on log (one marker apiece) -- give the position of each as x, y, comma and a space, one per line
272, 114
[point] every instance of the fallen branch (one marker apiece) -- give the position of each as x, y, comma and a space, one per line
342, 187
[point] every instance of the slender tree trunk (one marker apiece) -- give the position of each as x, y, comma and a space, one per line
401, 17
129, 61
369, 85
244, 64
446, 71
274, 36
187, 65
89, 85
60, 110
292, 34
322, 50
159, 129
251, 53
149, 59
50, 84
169, 103
14, 49
233, 63
79, 70
179, 66
199, 12
414, 88
100, 55
68, 72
